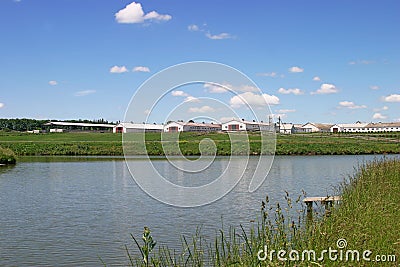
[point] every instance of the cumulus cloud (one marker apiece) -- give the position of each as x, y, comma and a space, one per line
268, 74
249, 98
2, 105
53, 83
350, 105
326, 88
295, 91
193, 28
316, 78
220, 36
222, 88
85, 93
118, 69
374, 87
285, 110
215, 88
392, 98
141, 69
362, 62
379, 116
191, 99
133, 13
179, 93
203, 109
295, 69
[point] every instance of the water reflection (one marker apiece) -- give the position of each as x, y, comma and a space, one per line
68, 211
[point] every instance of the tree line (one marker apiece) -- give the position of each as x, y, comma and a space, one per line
33, 124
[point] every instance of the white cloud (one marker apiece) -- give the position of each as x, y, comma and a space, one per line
133, 13
2, 105
268, 74
374, 87
117, 69
362, 62
191, 99
279, 115
222, 88
215, 88
350, 105
379, 116
85, 93
220, 36
316, 78
286, 110
295, 91
193, 28
295, 69
392, 98
141, 69
249, 98
179, 93
53, 83
203, 109
326, 88
381, 109
146, 112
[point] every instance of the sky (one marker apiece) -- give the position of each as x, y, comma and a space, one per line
314, 61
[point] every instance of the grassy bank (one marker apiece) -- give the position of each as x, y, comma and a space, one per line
7, 156
111, 144
367, 218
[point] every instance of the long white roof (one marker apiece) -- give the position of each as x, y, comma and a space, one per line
78, 124
130, 125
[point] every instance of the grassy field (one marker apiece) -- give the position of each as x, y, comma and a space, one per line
111, 144
366, 219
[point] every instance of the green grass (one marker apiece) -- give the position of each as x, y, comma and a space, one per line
111, 144
368, 218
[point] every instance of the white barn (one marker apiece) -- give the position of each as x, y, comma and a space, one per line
243, 125
315, 128
358, 127
191, 127
128, 127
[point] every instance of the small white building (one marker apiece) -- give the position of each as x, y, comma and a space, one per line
128, 127
315, 128
56, 130
191, 127
286, 128
243, 125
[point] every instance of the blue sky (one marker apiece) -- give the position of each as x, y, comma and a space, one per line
318, 61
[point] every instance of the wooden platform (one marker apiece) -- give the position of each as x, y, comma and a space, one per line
327, 201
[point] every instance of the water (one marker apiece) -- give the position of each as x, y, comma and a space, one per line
71, 211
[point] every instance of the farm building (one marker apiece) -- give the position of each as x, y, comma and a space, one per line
81, 126
128, 127
191, 127
243, 125
383, 127
314, 128
286, 128
357, 127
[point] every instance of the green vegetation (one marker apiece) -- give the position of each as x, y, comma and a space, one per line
32, 124
79, 143
367, 218
7, 156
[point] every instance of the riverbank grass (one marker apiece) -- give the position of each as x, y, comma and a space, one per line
368, 217
366, 220
7, 156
